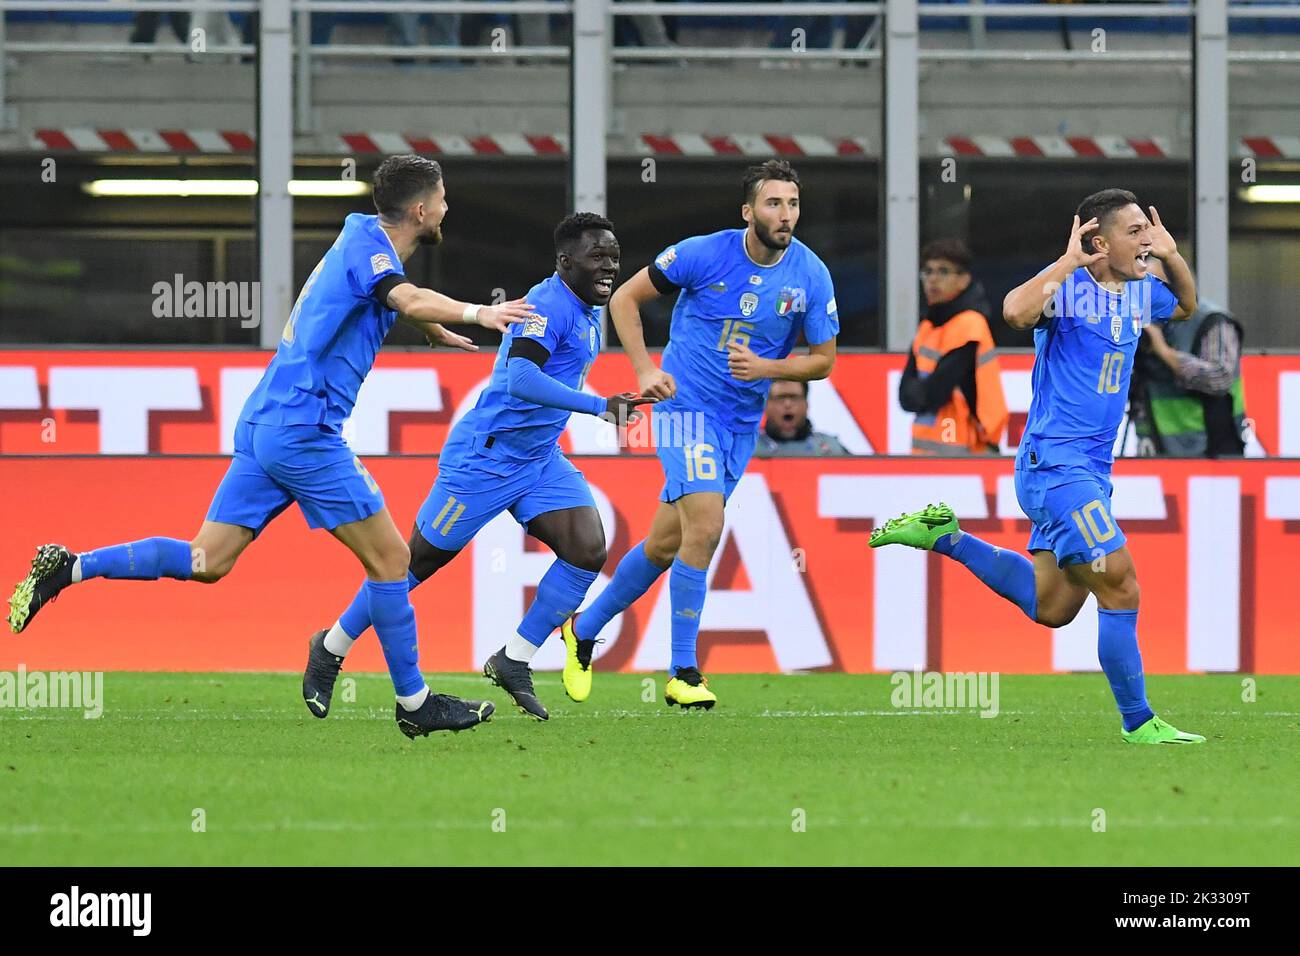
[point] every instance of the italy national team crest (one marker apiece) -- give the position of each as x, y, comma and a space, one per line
748, 303
591, 337
1116, 326
790, 300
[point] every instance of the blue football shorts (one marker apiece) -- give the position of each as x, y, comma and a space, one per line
1070, 510
700, 455
477, 483
276, 465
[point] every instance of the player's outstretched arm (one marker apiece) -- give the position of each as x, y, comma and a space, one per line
743, 364
1177, 273
1025, 303
526, 381
423, 306
625, 311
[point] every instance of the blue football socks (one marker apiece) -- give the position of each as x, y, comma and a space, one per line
686, 586
394, 621
632, 578
146, 560
1117, 650
1009, 573
356, 619
559, 593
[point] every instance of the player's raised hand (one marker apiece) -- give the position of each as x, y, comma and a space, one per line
1074, 251
501, 317
621, 408
1162, 243
657, 384
437, 336
743, 364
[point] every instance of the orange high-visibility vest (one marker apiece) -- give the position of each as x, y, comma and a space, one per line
953, 429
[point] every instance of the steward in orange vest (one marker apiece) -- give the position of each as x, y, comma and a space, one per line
953, 381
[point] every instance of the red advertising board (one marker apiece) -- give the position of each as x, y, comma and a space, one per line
185, 402
794, 586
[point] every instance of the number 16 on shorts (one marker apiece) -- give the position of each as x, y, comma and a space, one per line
700, 463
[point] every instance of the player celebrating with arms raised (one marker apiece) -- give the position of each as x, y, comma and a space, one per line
746, 297
1087, 310
289, 444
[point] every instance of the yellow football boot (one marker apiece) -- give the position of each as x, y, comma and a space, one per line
689, 689
577, 674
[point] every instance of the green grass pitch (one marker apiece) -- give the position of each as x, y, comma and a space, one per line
808, 769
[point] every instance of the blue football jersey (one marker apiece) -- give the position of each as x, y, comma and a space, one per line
1083, 359
333, 333
566, 327
727, 297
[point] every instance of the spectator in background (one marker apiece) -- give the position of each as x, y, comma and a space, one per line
217, 27
144, 26
534, 29
1185, 396
787, 431
821, 32
953, 381
444, 29
646, 29
322, 26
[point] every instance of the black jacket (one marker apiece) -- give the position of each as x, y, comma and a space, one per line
955, 370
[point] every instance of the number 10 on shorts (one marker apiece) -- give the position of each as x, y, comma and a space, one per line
1086, 519
699, 463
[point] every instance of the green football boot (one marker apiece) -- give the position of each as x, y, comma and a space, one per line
1157, 731
920, 529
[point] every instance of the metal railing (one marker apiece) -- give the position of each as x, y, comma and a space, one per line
100, 6
862, 52
386, 50
306, 52
976, 11
591, 55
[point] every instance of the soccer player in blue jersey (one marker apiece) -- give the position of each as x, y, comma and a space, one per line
289, 445
504, 455
1087, 310
747, 296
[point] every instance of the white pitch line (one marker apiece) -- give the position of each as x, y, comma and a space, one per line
376, 713
519, 823
192, 714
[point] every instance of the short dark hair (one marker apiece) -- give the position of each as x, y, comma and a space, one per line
755, 176
572, 227
1102, 206
400, 181
802, 385
949, 250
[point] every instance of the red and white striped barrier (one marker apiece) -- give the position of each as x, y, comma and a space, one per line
79, 139
1271, 147
1056, 147
86, 140
742, 144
